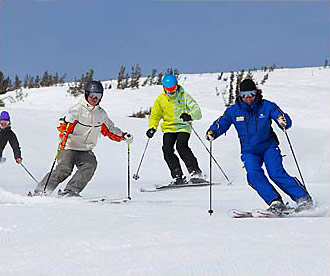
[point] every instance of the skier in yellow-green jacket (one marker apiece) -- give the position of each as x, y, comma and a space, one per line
177, 109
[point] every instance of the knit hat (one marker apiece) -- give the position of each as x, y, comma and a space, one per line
247, 85
4, 116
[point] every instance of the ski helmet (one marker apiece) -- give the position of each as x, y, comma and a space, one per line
169, 81
4, 116
247, 85
94, 89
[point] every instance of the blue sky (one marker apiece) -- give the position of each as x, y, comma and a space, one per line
74, 36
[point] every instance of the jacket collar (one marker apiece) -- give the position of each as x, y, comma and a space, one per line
178, 92
252, 109
87, 105
4, 130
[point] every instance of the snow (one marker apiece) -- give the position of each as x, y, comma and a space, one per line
169, 232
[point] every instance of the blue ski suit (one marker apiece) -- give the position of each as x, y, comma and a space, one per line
259, 144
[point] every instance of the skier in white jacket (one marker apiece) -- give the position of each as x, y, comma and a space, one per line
80, 129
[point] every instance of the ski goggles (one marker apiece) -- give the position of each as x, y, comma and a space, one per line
170, 90
245, 94
4, 123
94, 95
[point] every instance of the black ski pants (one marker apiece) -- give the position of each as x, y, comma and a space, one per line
185, 153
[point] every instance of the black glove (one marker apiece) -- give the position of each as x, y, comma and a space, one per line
185, 117
150, 132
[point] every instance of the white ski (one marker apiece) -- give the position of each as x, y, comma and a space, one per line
159, 188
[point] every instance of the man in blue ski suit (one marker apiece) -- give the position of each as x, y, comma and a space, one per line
252, 117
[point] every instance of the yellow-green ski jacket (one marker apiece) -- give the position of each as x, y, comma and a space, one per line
170, 109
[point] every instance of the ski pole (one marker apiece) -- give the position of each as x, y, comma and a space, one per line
136, 175
61, 145
30, 174
210, 209
50, 172
294, 157
128, 171
229, 182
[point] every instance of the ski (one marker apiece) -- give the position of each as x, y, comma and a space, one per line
32, 194
159, 188
235, 213
101, 199
106, 200
289, 213
262, 213
256, 213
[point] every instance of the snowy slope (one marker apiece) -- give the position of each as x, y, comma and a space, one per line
165, 233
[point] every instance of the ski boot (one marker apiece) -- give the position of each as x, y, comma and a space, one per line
68, 193
179, 180
304, 204
197, 177
277, 207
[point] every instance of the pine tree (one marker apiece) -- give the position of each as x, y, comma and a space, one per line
136, 74
264, 79
45, 80
220, 76
231, 89
160, 78
85, 78
152, 77
55, 79
146, 81
36, 82
169, 71
75, 88
62, 79
17, 83
126, 83
120, 78
5, 83
249, 75
239, 79
176, 73
27, 81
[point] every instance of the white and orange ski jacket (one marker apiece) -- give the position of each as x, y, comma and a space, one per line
82, 124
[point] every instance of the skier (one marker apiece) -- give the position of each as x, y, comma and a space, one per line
177, 109
252, 117
7, 135
79, 131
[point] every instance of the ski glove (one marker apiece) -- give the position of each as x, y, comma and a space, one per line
209, 135
282, 121
185, 117
150, 132
18, 160
128, 138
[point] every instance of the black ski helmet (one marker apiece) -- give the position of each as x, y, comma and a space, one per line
247, 85
94, 87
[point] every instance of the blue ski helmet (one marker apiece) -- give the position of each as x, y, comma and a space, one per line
4, 116
169, 81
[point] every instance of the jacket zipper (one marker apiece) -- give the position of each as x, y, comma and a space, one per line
89, 132
256, 121
247, 125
